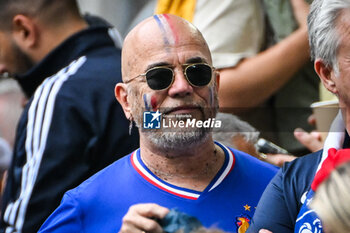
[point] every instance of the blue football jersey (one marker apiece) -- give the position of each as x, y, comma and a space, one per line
99, 204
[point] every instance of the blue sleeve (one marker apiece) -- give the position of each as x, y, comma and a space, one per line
66, 218
281, 201
271, 212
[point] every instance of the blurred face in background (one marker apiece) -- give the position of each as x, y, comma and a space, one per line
12, 59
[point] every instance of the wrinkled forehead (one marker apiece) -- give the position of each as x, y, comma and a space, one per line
343, 25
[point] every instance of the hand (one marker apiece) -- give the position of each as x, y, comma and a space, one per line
139, 218
312, 141
301, 11
278, 159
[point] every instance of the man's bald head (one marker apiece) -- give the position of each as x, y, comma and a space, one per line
167, 31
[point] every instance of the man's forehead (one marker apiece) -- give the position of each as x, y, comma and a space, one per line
164, 38
343, 24
164, 29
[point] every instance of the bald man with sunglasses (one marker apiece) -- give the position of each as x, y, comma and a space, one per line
167, 72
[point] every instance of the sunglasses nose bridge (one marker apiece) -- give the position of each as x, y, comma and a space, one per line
179, 73
180, 83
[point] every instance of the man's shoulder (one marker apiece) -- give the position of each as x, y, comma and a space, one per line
88, 75
297, 176
304, 165
101, 66
102, 57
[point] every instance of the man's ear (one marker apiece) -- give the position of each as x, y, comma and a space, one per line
25, 32
326, 74
121, 93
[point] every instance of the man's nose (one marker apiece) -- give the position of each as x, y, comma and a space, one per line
180, 87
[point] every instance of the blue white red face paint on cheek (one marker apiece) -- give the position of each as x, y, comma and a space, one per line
211, 96
150, 102
153, 103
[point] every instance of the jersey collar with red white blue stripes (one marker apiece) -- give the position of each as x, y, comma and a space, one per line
142, 169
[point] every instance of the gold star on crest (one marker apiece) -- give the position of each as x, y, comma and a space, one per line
247, 207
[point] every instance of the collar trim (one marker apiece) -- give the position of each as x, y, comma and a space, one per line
141, 168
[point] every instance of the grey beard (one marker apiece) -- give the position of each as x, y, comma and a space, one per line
178, 140
174, 139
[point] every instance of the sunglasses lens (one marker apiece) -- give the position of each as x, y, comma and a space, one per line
199, 74
159, 78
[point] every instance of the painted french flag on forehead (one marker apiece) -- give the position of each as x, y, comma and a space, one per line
167, 28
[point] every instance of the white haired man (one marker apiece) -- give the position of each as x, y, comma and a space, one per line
284, 206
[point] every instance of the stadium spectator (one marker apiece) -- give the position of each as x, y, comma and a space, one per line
72, 126
167, 73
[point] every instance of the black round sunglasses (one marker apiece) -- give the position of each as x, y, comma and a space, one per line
162, 77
